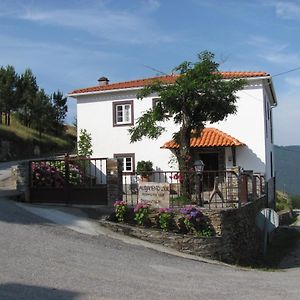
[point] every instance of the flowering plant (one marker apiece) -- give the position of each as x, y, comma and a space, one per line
178, 177
54, 174
165, 218
43, 174
141, 212
120, 210
194, 219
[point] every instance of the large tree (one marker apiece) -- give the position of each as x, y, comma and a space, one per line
8, 86
198, 96
59, 103
27, 89
42, 112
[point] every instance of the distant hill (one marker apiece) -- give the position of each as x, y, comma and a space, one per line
287, 165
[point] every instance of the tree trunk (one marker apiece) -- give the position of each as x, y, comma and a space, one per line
185, 161
8, 118
0, 117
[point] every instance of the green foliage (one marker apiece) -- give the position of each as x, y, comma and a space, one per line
207, 232
35, 109
165, 219
181, 200
198, 96
121, 209
60, 109
8, 99
144, 168
141, 213
84, 144
283, 202
24, 139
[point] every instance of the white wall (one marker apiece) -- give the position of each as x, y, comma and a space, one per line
247, 125
95, 114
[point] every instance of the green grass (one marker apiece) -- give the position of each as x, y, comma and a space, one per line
26, 138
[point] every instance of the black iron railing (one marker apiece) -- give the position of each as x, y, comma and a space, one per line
70, 171
221, 188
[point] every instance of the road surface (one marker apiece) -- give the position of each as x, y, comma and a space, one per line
43, 260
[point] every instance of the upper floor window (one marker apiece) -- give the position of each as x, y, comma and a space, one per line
123, 113
155, 101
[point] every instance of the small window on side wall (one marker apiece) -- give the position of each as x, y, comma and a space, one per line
123, 113
127, 161
155, 101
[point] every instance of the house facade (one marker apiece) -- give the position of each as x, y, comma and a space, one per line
244, 139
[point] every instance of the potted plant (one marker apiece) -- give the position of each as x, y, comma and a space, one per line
144, 169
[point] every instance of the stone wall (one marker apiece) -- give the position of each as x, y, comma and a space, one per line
201, 246
21, 176
237, 240
240, 235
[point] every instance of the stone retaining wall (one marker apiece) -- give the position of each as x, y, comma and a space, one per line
238, 240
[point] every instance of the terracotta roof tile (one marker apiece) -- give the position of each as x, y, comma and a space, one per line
166, 79
210, 137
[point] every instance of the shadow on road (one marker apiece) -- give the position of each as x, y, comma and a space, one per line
10, 291
290, 243
11, 213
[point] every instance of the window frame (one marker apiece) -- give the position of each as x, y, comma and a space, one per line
122, 103
123, 156
154, 102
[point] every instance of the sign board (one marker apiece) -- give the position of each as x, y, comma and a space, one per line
158, 194
267, 219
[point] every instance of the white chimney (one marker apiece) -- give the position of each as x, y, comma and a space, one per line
103, 81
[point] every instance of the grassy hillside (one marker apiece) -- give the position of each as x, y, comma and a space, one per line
18, 141
287, 165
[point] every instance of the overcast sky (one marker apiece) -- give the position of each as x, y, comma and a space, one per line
69, 44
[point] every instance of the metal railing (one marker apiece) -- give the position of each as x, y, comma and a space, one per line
212, 189
71, 171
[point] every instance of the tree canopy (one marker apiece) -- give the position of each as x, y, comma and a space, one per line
198, 96
32, 106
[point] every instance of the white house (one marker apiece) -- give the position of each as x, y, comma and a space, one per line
245, 139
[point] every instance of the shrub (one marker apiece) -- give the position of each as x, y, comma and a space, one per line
195, 221
121, 209
54, 174
144, 168
165, 218
141, 213
283, 202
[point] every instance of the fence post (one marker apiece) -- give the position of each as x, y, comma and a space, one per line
243, 189
254, 188
114, 181
67, 168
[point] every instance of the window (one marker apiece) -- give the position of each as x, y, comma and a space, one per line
127, 160
155, 101
123, 113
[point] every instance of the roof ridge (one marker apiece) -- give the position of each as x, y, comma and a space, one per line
210, 137
139, 82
